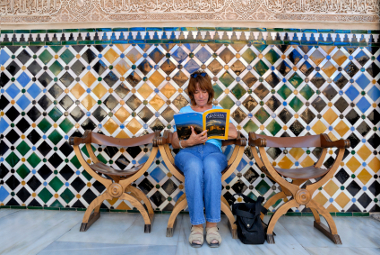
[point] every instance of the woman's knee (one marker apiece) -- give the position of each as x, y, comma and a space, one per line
214, 165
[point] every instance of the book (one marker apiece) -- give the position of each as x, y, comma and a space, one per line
215, 121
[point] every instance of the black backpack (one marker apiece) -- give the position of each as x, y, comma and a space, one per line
250, 228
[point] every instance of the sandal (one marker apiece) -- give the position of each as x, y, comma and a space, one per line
212, 234
196, 235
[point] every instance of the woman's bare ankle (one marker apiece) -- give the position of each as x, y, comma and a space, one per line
211, 224
198, 226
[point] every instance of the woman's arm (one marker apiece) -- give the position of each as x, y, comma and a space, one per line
232, 132
194, 139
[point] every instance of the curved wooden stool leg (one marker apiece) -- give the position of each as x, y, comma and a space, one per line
231, 219
271, 201
330, 231
89, 218
140, 207
316, 215
141, 196
173, 216
272, 222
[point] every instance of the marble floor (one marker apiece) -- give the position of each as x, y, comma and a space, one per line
57, 232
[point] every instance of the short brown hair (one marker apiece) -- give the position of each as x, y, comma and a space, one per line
204, 84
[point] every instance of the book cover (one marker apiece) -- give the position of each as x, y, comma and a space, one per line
215, 121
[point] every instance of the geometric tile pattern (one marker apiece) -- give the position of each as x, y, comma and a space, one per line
49, 93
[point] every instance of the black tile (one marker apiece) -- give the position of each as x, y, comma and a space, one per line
122, 162
353, 208
319, 104
44, 172
88, 124
13, 68
66, 102
111, 151
296, 128
317, 152
78, 184
285, 116
340, 81
284, 68
250, 103
12, 113
133, 102
364, 200
35, 48
261, 91
34, 183
230, 198
351, 69
375, 188
342, 176
3, 103
24, 56
122, 90
374, 141
66, 149
341, 104
133, 79
318, 80
145, 67
238, 115
168, 114
239, 187
272, 80
295, 57
146, 186
329, 92
306, 68
55, 160
111, 79
77, 114
77, 48
329, 162
66, 172
100, 67
12, 136
374, 117
66, 79
353, 188
12, 182
169, 186
23, 194
352, 117
89, 196
55, 91
88, 56
363, 129
44, 148
373, 70
251, 175
273, 103
354, 140
134, 151
157, 198
98, 186
99, 114
45, 79
3, 149
44, 102
145, 114
78, 67
34, 68
3, 171
156, 55
34, 137
111, 102
274, 152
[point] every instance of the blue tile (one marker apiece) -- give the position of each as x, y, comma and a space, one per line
203, 55
178, 196
179, 55
13, 90
191, 66
191, 46
3, 125
241, 165
157, 174
352, 93
363, 81
143, 159
23, 102
3, 193
230, 178
23, 79
363, 105
3, 57
34, 90
374, 93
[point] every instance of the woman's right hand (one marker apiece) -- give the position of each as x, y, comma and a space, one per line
195, 139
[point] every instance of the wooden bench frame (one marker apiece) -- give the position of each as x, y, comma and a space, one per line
120, 185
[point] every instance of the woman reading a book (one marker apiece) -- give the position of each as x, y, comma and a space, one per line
202, 161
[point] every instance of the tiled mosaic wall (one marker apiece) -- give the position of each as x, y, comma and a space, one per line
50, 93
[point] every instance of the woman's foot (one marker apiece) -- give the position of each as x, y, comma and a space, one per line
196, 236
213, 237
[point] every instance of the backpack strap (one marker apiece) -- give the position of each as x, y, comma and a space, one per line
258, 202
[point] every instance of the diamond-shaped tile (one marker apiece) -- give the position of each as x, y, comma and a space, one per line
319, 127
226, 79
156, 102
134, 126
248, 55
88, 79
133, 55
111, 55
122, 67
261, 68
262, 115
99, 90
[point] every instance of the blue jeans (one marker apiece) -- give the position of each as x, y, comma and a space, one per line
202, 166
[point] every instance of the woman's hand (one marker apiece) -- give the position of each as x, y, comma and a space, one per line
195, 139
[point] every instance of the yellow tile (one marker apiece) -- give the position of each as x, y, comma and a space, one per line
133, 55
339, 57
122, 134
342, 200
99, 90
123, 206
122, 47
364, 176
111, 55
157, 102
332, 208
145, 90
353, 164
320, 199
122, 114
156, 78
111, 126
88, 102
317, 57
331, 188
88, 79
285, 163
374, 164
329, 69
134, 126
327, 49
332, 136
341, 128
168, 90
296, 152
330, 116
113, 201
319, 127
77, 91
364, 152
122, 67
308, 161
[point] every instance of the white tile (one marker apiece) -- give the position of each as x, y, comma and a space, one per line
5, 212
343, 251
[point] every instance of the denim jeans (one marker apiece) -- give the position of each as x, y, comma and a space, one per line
202, 166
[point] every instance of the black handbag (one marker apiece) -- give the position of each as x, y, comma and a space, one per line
250, 228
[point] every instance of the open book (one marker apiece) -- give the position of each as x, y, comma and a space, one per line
215, 121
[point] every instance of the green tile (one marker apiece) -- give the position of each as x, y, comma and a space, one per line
277, 202
360, 214
262, 187
23, 148
248, 55
56, 183
345, 214
261, 48
284, 92
238, 91
226, 79
261, 68
295, 80
75, 162
227, 102
102, 159
252, 196
66, 125
217, 90
56, 204
45, 56
45, 195
262, 115
67, 195
23, 171
307, 214
67, 56
296, 104
307, 92
34, 160
272, 56
293, 214
55, 114
273, 127
44, 125
56, 48
56, 68
55, 137
12, 159
86, 175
